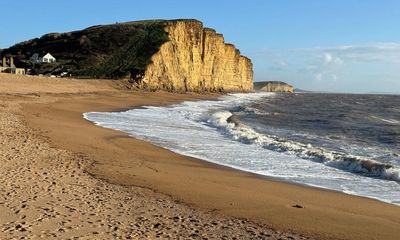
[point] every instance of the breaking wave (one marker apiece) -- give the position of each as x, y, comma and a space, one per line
391, 121
231, 126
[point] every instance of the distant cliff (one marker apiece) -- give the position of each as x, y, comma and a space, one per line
273, 86
173, 55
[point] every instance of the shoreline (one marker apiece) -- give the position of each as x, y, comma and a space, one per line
322, 217
227, 165
236, 200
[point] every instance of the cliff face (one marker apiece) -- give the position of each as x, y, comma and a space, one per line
197, 59
274, 86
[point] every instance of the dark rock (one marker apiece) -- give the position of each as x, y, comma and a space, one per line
157, 225
298, 206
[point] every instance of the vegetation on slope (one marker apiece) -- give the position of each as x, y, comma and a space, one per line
105, 51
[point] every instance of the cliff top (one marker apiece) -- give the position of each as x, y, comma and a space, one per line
147, 22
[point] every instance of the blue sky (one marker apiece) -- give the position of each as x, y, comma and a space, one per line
325, 45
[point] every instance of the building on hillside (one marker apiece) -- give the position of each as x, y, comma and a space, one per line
18, 71
47, 58
7, 66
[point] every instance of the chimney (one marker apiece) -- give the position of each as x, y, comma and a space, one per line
12, 62
4, 62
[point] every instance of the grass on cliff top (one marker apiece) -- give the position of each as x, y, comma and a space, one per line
134, 56
106, 51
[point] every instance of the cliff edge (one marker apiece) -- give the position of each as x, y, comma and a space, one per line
172, 55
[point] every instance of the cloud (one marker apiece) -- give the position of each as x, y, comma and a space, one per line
323, 65
322, 76
363, 52
330, 59
278, 65
335, 55
318, 77
342, 68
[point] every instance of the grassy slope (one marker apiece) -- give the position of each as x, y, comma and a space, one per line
104, 51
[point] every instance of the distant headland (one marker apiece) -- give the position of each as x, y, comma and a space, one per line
273, 86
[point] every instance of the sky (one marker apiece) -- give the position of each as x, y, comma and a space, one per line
319, 45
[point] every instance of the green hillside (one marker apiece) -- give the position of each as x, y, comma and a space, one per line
105, 51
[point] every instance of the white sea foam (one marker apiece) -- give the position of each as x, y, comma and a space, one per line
355, 164
391, 121
208, 130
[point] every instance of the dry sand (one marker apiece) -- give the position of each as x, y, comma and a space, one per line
62, 177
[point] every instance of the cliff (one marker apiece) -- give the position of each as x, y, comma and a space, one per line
273, 86
197, 59
172, 55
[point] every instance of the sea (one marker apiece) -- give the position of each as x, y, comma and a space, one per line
343, 142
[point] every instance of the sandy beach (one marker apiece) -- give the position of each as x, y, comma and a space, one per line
63, 177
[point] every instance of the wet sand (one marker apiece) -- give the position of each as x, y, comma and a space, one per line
65, 177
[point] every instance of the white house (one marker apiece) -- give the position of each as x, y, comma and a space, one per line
48, 58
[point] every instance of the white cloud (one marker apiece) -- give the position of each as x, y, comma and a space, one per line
363, 52
321, 76
330, 59
338, 61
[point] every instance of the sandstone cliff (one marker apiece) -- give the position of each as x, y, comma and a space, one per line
172, 55
197, 59
273, 86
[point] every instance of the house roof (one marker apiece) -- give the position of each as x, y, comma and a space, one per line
43, 54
